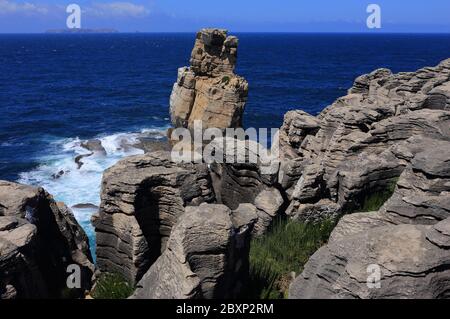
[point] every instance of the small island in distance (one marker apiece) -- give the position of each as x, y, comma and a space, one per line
81, 30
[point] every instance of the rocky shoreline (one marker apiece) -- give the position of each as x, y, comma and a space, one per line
377, 160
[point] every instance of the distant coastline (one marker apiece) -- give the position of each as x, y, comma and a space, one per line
58, 31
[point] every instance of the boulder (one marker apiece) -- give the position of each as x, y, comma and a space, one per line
39, 239
268, 204
94, 146
206, 256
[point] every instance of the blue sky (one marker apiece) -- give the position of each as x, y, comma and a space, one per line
235, 15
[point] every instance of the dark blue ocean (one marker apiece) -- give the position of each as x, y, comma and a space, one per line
58, 90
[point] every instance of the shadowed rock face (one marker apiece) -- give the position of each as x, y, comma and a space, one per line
156, 229
142, 198
252, 182
39, 238
206, 256
208, 90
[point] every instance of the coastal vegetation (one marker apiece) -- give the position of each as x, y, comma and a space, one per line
226, 79
112, 286
280, 255
373, 201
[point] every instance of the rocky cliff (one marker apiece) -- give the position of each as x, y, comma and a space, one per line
384, 144
150, 227
153, 232
331, 162
142, 198
391, 130
377, 160
206, 256
208, 90
39, 238
407, 238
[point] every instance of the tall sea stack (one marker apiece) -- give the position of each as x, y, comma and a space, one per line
209, 90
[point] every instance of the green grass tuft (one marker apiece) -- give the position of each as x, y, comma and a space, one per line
289, 244
112, 286
374, 200
283, 250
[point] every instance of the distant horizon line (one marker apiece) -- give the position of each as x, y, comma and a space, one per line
234, 32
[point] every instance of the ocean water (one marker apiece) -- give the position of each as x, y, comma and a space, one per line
57, 91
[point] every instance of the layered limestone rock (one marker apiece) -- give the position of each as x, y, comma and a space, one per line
409, 264
156, 229
330, 162
39, 238
390, 130
142, 198
244, 173
208, 90
206, 256
407, 239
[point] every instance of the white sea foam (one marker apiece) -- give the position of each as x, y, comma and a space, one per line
82, 186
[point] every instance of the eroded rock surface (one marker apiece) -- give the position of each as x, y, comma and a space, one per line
352, 147
142, 198
208, 90
39, 238
244, 173
391, 132
407, 239
206, 256
410, 265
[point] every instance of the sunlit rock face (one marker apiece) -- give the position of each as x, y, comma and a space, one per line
209, 90
362, 142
